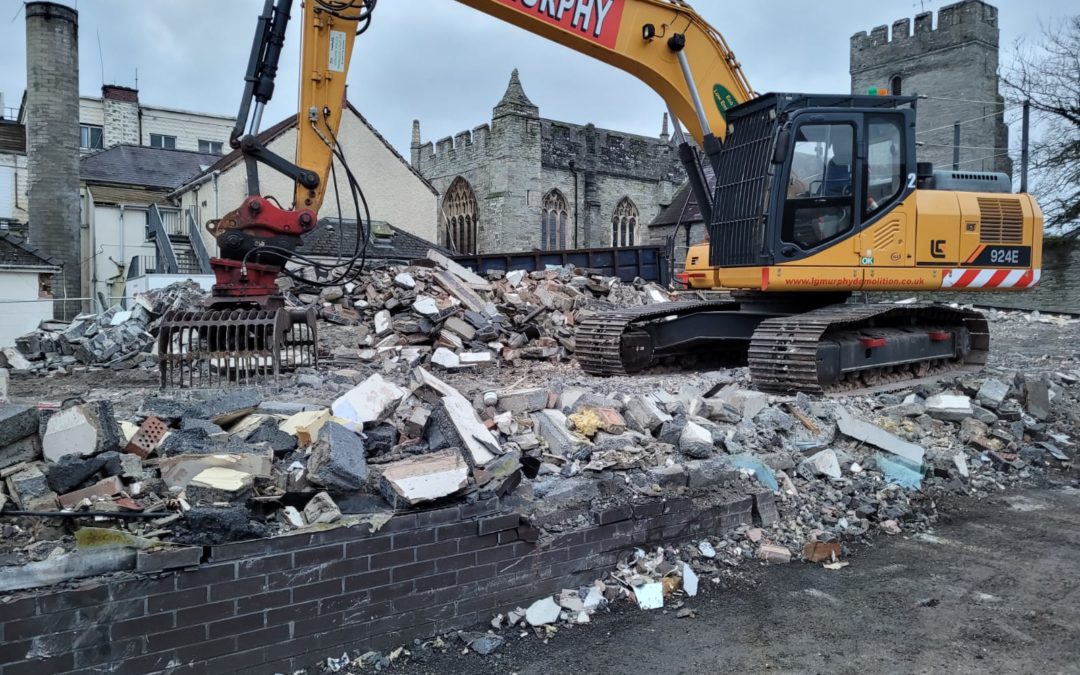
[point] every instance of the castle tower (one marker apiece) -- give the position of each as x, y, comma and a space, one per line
955, 66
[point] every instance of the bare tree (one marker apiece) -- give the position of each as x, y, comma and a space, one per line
1048, 74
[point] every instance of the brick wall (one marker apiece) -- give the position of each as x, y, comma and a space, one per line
277, 605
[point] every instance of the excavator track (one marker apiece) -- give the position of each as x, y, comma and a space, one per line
599, 345
783, 354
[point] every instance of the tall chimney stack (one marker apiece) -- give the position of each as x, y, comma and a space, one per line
52, 144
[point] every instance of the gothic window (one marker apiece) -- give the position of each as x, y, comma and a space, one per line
896, 85
553, 218
460, 216
623, 223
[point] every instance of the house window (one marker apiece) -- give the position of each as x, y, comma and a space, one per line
553, 217
623, 223
896, 85
460, 216
162, 141
91, 137
212, 147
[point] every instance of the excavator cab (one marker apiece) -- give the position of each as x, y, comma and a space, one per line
798, 174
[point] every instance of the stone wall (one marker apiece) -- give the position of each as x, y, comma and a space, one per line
520, 157
283, 604
955, 64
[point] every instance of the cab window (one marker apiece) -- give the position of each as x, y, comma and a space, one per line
820, 187
884, 166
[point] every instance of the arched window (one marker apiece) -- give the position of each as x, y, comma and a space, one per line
554, 216
623, 223
896, 85
460, 216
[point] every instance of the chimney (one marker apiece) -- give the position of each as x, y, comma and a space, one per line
415, 145
52, 144
121, 109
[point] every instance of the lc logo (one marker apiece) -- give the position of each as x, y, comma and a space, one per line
937, 248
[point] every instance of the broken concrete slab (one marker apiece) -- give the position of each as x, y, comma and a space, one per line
25, 450
29, 488
522, 400
453, 424
72, 471
369, 402
992, 393
543, 612
1037, 398
748, 402
178, 471
66, 566
83, 430
424, 478
823, 463
225, 409
444, 358
338, 459
461, 272
696, 442
321, 509
16, 423
878, 437
949, 407
644, 413
551, 426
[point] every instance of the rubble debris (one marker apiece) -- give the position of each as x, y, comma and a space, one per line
305, 425
369, 402
542, 612
774, 553
321, 509
177, 471
19, 440
1037, 398
149, 436
218, 484
101, 490
83, 430
337, 459
876, 436
950, 407
453, 424
424, 478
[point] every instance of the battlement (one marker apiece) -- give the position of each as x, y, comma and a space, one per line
459, 147
957, 24
614, 152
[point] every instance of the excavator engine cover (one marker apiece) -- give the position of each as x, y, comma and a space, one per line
234, 347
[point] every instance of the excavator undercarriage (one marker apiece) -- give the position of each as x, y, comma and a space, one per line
812, 344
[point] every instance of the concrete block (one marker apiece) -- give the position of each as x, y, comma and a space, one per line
369, 402
645, 414
337, 459
706, 472
228, 408
218, 484
17, 422
81, 430
321, 509
551, 425
424, 478
949, 407
25, 450
1037, 399
27, 486
992, 393
696, 441
522, 400
453, 424
878, 437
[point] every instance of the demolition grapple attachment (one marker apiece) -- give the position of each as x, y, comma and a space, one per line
234, 347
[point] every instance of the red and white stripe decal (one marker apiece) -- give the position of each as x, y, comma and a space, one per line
990, 278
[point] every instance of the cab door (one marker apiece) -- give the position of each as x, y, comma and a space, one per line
888, 235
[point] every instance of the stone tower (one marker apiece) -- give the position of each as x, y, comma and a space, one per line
955, 66
52, 143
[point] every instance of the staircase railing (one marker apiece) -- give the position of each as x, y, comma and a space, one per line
165, 253
198, 246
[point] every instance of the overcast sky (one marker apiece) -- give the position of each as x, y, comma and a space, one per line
447, 65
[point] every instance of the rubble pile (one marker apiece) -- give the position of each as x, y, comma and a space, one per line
208, 467
118, 339
442, 315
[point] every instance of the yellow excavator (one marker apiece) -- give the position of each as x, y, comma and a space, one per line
807, 198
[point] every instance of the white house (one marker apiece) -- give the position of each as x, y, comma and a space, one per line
396, 193
25, 288
13, 173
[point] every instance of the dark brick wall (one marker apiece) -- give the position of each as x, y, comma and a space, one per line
277, 605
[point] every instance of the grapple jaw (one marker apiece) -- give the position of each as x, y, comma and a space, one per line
234, 347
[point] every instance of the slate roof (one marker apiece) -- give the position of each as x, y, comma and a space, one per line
12, 138
14, 252
323, 242
684, 198
143, 166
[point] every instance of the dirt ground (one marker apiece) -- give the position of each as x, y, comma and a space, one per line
995, 587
